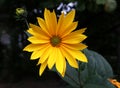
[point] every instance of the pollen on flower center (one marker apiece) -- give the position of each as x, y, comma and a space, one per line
55, 41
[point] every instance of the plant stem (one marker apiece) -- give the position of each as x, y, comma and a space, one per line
26, 22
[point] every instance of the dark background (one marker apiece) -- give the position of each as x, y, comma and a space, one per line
103, 31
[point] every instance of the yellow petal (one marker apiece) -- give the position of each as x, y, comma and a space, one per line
60, 62
65, 21
36, 40
35, 27
79, 46
43, 25
37, 54
80, 31
38, 34
47, 17
80, 56
45, 55
69, 29
51, 21
54, 18
69, 18
77, 32
52, 57
34, 47
37, 30
77, 54
42, 68
71, 60
64, 70
60, 25
74, 39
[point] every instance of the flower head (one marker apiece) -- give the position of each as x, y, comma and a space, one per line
54, 42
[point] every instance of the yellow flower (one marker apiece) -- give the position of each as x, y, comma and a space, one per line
115, 82
55, 42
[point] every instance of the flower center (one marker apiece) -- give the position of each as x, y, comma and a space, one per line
55, 41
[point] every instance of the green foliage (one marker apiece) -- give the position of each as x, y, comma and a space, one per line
100, 2
96, 81
95, 5
71, 76
94, 74
110, 5
97, 63
81, 5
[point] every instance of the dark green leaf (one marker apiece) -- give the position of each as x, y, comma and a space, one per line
96, 81
94, 73
84, 73
71, 76
97, 63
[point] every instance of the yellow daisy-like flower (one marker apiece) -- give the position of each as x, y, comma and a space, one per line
55, 42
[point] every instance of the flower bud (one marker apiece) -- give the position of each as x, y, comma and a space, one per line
21, 12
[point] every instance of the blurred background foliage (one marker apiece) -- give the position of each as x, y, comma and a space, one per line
101, 17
